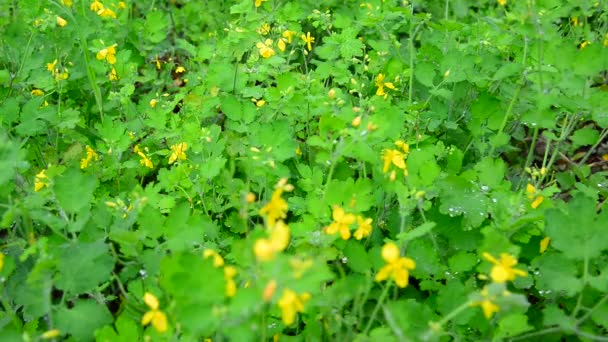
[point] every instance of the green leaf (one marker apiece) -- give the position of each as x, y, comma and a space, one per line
557, 273
357, 257
552, 315
74, 190
417, 232
82, 319
511, 325
425, 73
462, 262
83, 266
584, 137
576, 230
127, 330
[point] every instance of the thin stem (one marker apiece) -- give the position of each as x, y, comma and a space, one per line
588, 313
505, 120
536, 333
436, 326
372, 318
592, 149
579, 300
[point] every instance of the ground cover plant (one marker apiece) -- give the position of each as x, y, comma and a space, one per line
303, 170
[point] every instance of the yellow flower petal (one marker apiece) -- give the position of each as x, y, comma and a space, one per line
544, 244
151, 301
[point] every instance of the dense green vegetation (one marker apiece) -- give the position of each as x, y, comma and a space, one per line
303, 170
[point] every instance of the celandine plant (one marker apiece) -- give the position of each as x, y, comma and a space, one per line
275, 170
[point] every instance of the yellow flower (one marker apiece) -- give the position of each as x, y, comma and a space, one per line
290, 304
276, 209
122, 5
67, 3
531, 193
605, 43
266, 249
180, 70
264, 29
91, 155
263, 250
1, 261
179, 152
229, 274
109, 54
356, 121
364, 227
502, 2
281, 45
96, 6
53, 333
584, 44
381, 84
154, 315
308, 40
61, 22
544, 244
145, 161
265, 48
51, 67
341, 223
503, 270
574, 21
153, 103
396, 267
258, 3
299, 266
40, 181
269, 290
218, 261
37, 92
113, 76
106, 13
394, 157
487, 306
287, 34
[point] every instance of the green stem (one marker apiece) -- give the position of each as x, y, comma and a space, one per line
536, 333
372, 318
436, 326
505, 120
90, 73
592, 149
579, 301
588, 313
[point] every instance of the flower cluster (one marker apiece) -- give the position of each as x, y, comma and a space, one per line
154, 315
533, 196
40, 181
145, 161
59, 74
109, 55
287, 38
380, 84
501, 272
178, 151
278, 232
91, 155
265, 48
103, 11
229, 271
396, 158
397, 267
290, 304
342, 222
